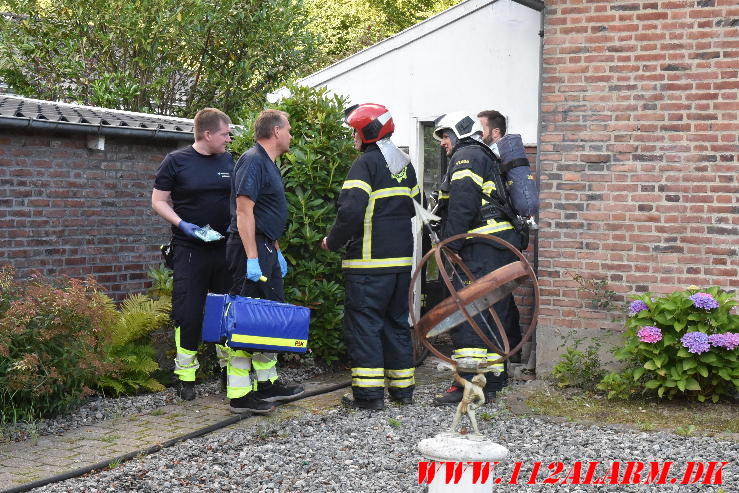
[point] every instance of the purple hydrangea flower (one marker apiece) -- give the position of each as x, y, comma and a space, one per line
636, 307
696, 342
649, 334
704, 300
727, 340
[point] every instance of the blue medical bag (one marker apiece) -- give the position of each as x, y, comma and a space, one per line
251, 323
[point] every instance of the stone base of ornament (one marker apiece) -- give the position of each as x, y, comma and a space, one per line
459, 452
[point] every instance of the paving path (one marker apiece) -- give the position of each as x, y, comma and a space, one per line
107, 442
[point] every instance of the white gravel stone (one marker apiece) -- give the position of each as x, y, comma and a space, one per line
310, 454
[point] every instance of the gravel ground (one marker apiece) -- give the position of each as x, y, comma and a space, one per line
98, 409
359, 451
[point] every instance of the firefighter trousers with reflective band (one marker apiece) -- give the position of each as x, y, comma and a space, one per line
482, 257
243, 365
197, 271
377, 334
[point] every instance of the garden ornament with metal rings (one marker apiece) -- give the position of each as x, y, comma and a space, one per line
461, 124
371, 121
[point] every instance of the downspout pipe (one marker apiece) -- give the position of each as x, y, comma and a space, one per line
83, 128
538, 134
531, 364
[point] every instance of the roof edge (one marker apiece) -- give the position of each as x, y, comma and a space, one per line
398, 40
85, 128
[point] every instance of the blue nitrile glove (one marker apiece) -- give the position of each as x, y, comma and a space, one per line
253, 271
189, 229
283, 263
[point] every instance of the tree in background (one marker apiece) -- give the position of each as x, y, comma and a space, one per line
171, 57
313, 172
348, 26
174, 57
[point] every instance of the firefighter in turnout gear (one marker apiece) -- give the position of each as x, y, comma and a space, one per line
471, 175
373, 223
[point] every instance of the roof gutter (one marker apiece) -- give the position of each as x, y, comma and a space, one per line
83, 128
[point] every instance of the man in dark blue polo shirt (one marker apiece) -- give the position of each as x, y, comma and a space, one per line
191, 190
258, 219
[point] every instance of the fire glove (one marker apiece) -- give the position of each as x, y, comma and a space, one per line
253, 271
283, 263
189, 229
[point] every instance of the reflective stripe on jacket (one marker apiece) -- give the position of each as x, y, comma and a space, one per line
471, 172
374, 216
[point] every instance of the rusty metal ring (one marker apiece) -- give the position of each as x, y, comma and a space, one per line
486, 290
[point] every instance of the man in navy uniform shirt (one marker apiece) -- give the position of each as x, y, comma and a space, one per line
258, 219
191, 190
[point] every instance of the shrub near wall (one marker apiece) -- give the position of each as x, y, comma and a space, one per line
313, 172
52, 344
682, 344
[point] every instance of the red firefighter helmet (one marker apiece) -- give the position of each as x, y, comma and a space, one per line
371, 121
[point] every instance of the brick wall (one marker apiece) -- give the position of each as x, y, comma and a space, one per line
638, 155
69, 210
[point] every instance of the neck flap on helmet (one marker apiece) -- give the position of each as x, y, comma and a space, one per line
395, 158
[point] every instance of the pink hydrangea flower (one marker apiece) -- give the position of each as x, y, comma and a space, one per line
728, 340
649, 334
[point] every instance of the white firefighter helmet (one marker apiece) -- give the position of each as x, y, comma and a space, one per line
462, 124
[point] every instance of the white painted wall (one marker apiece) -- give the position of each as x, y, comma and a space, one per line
477, 55
480, 54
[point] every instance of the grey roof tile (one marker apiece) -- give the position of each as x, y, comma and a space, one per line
12, 106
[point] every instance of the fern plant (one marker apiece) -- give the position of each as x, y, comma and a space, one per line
162, 281
131, 349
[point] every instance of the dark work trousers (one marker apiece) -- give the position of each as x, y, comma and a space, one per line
272, 289
483, 257
377, 334
197, 271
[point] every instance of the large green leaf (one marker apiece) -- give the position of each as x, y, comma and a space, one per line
709, 358
692, 384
